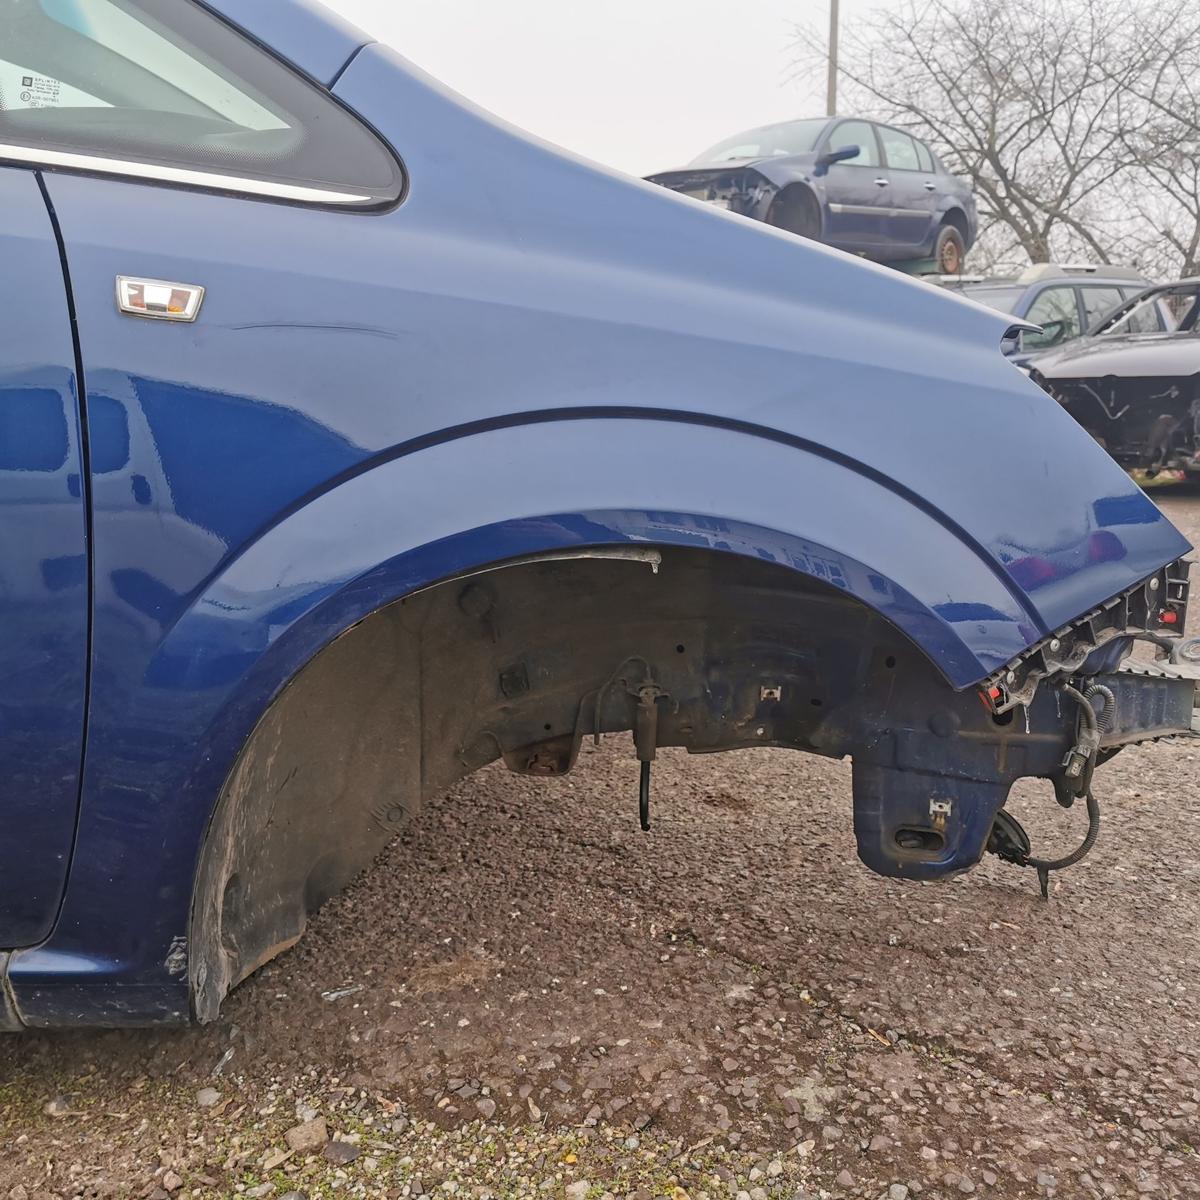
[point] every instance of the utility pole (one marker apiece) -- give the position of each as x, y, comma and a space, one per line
831, 89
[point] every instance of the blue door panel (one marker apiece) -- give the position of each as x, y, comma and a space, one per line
911, 208
43, 569
856, 205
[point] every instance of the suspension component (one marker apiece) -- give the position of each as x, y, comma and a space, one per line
645, 739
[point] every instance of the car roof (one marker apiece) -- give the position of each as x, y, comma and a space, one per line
1037, 272
787, 121
1056, 273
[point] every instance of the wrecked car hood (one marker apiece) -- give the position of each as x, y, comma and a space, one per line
684, 179
791, 163
1140, 356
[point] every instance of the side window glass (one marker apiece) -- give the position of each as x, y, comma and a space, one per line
860, 134
1178, 309
899, 149
1146, 317
1057, 311
1097, 301
131, 87
924, 157
1142, 319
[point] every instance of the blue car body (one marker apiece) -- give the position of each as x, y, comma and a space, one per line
867, 188
443, 425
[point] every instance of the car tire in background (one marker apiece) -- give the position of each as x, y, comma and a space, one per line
796, 210
949, 251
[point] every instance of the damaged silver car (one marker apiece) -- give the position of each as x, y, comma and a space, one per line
1134, 382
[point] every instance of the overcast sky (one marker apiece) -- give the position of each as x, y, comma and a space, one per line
638, 84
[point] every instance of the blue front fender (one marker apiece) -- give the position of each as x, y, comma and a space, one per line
574, 479
566, 480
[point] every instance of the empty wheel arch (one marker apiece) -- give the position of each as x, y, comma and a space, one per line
797, 210
519, 664
684, 647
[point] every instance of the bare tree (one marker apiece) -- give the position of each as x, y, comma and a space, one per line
1163, 149
1047, 106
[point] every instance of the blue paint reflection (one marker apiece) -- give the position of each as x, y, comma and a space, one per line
185, 477
43, 643
33, 430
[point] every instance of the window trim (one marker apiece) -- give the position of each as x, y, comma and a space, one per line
134, 170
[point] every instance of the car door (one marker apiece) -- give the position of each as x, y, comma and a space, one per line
856, 190
43, 568
912, 196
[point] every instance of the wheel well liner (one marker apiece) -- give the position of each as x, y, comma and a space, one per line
518, 663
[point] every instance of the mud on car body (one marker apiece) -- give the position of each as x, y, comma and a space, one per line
331, 477
1134, 384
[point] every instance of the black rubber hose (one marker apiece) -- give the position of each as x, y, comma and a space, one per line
1085, 706
1081, 851
1098, 725
1109, 711
1088, 715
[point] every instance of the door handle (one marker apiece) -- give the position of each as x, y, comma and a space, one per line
881, 182
158, 299
931, 187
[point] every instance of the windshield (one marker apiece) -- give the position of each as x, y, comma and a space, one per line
1003, 299
771, 141
1170, 308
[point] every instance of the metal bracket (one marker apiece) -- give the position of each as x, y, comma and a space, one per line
1140, 612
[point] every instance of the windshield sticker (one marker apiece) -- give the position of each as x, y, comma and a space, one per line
21, 88
40, 91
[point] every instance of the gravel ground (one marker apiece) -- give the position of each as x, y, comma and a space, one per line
528, 996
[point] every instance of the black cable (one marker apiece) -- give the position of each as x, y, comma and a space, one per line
1098, 726
1058, 864
1109, 712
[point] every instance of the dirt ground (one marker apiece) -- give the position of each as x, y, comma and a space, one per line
528, 996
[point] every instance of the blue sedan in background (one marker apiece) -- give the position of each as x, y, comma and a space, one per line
867, 188
351, 440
